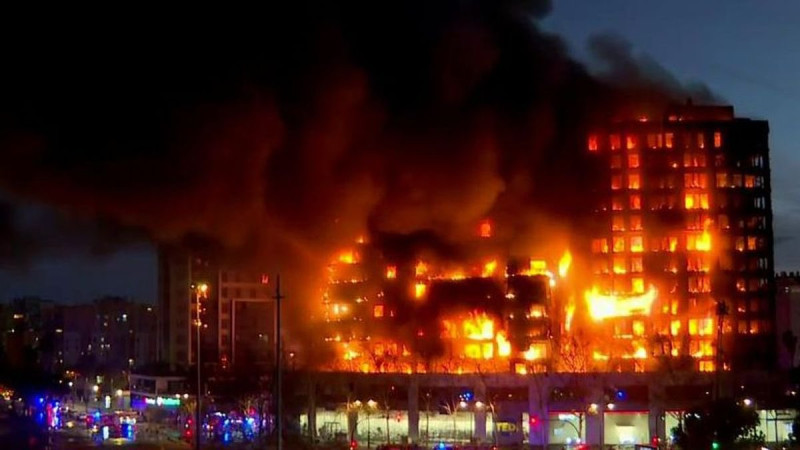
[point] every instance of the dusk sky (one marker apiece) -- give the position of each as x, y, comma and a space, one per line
745, 51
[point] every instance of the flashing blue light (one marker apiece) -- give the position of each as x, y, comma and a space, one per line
226, 437
621, 395
41, 400
441, 445
467, 396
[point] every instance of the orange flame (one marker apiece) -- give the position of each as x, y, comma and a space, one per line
603, 306
485, 228
564, 263
391, 272
489, 268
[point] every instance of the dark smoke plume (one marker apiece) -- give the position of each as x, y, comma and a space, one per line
284, 130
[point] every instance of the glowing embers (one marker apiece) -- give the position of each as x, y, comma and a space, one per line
604, 306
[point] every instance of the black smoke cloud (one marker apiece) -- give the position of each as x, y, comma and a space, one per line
282, 130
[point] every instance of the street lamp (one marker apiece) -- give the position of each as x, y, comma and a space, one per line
200, 293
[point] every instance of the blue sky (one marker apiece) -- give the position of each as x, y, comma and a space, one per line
746, 51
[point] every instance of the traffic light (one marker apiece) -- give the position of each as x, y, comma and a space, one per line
714, 445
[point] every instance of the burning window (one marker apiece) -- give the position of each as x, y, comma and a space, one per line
695, 180
620, 265
696, 200
630, 142
697, 264
633, 181
675, 327
616, 204
638, 328
616, 182
618, 223
739, 245
633, 160
752, 243
637, 244
614, 142
699, 284
600, 245
694, 160
700, 241
754, 327
377, 311
391, 272
717, 139
618, 244
668, 140
736, 180
636, 264
651, 140
636, 223
635, 202
592, 144
741, 285
749, 181
616, 161
701, 140
637, 285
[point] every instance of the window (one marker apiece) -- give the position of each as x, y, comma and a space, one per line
636, 223
616, 161
752, 243
722, 180
741, 327
755, 305
592, 144
739, 244
717, 139
633, 160
694, 160
675, 327
754, 327
697, 264
668, 140
616, 204
600, 245
633, 181
741, 285
637, 285
616, 182
700, 283
638, 328
652, 141
377, 311
637, 246
635, 202
701, 140
618, 223
619, 244
696, 201
614, 142
695, 180
722, 222
620, 265
749, 181
760, 202
630, 142
736, 180
636, 264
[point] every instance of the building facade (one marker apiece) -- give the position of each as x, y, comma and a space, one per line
683, 238
236, 310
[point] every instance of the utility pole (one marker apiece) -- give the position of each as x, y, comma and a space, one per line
278, 358
200, 292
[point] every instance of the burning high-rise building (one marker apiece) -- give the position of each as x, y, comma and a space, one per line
676, 271
682, 249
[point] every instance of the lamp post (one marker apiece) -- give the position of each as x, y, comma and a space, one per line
200, 292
